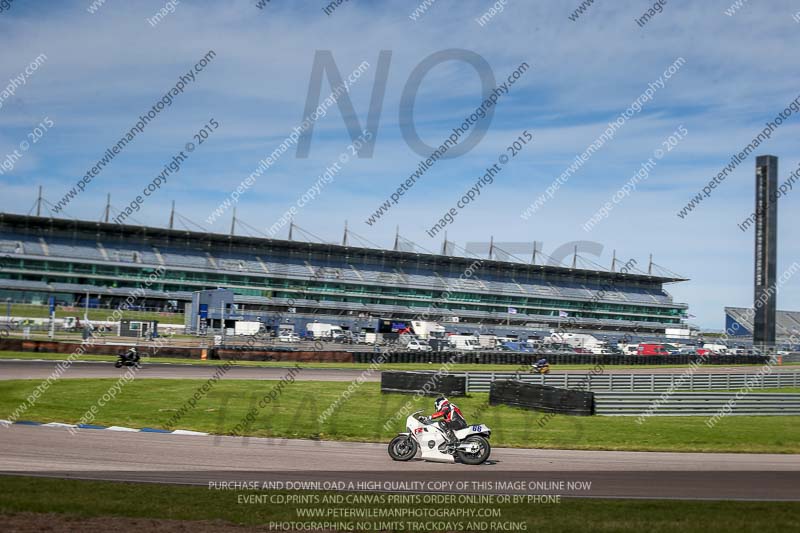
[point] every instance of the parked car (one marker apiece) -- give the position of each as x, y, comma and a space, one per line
344, 337
288, 336
416, 345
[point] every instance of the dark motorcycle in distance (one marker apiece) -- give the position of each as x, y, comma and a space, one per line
127, 359
540, 369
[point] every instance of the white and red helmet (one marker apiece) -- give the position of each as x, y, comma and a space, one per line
440, 403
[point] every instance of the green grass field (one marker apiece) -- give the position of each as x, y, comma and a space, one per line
351, 366
43, 311
75, 500
151, 403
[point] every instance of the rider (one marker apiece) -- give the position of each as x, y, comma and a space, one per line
449, 416
541, 363
132, 355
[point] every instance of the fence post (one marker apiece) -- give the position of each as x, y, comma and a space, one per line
652, 382
632, 374
728, 387
466, 381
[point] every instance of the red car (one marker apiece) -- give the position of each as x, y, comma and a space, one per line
652, 349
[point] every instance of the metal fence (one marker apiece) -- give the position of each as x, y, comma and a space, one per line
480, 381
695, 404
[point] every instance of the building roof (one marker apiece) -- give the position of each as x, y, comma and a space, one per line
100, 230
786, 322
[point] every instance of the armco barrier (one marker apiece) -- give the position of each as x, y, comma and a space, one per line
428, 383
517, 358
481, 381
695, 403
541, 398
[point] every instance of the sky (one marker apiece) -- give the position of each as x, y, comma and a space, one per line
101, 65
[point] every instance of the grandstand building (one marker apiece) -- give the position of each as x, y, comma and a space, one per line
739, 322
352, 286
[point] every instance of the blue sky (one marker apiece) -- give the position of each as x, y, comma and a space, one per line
105, 69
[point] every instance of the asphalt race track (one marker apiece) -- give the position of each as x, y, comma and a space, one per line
40, 369
194, 459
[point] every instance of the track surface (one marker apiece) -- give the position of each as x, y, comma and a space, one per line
39, 369
185, 459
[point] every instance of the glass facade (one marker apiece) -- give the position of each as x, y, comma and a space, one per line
349, 293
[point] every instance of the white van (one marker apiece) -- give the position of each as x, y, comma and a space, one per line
467, 343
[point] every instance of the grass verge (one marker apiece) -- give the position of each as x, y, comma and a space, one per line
43, 311
86, 499
361, 416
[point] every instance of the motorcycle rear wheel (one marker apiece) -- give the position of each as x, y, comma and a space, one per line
403, 448
480, 456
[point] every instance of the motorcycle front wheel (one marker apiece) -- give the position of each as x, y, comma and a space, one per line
118, 364
402, 448
478, 457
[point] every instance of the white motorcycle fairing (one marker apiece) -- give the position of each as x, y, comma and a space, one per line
430, 437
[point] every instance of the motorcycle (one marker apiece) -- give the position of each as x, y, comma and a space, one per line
126, 359
472, 446
543, 369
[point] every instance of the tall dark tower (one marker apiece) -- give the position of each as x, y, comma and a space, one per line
766, 234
